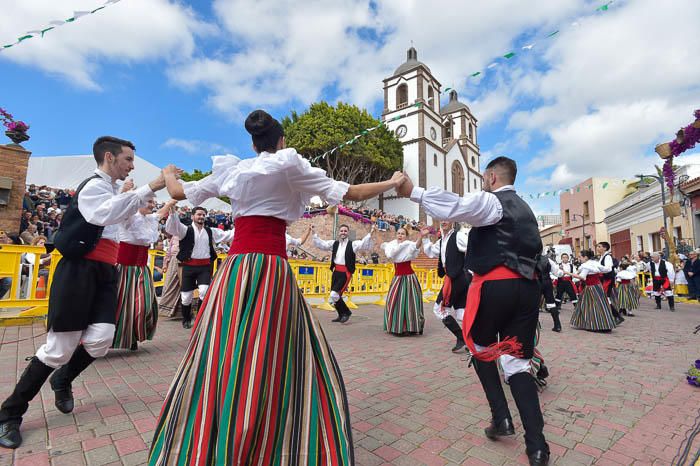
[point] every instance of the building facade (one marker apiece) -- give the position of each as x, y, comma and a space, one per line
439, 142
583, 211
551, 235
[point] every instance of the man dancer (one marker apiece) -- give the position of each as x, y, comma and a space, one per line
608, 279
663, 276
450, 249
564, 283
197, 255
342, 265
83, 299
549, 271
501, 315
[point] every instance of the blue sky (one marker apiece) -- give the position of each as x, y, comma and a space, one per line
591, 101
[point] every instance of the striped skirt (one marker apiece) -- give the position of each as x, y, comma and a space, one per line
403, 312
259, 384
137, 307
628, 296
592, 310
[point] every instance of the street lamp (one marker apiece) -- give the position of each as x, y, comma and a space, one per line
643, 184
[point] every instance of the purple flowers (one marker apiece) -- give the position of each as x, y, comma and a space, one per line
693, 376
686, 138
9, 122
693, 380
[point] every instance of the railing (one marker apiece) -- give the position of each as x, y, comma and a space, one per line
313, 278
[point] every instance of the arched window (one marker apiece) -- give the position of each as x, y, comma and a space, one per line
475, 184
435, 160
448, 128
457, 178
473, 162
471, 132
431, 97
402, 96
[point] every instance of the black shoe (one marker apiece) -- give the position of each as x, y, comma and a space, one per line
61, 380
337, 319
9, 434
134, 346
186, 323
459, 345
345, 317
556, 329
619, 320
658, 308
64, 399
538, 458
503, 429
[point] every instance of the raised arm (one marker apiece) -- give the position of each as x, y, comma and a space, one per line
99, 206
365, 242
221, 236
174, 226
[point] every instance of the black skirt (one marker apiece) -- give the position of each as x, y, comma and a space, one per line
83, 292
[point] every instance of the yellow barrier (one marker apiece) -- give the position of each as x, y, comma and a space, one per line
314, 280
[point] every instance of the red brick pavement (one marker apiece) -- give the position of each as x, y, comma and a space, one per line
612, 399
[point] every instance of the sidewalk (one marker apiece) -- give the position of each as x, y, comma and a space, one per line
612, 399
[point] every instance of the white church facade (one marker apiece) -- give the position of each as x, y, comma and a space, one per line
439, 142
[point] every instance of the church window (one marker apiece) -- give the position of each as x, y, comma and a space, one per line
457, 178
471, 132
475, 184
435, 160
473, 161
448, 128
402, 96
431, 97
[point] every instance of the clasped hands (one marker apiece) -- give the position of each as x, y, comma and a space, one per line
402, 184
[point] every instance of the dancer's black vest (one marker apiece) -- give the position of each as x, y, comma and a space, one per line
187, 245
663, 272
610, 275
349, 256
514, 241
454, 258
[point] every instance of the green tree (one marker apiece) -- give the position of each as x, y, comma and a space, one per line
372, 157
195, 175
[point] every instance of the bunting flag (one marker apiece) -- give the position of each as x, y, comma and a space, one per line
576, 189
56, 23
364, 132
509, 55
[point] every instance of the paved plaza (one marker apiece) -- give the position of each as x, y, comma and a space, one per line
612, 399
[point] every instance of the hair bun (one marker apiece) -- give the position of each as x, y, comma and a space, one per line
259, 122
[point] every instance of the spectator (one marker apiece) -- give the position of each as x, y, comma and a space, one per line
29, 234
375, 258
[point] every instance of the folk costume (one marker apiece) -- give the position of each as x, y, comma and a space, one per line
607, 280
501, 316
170, 299
83, 299
548, 271
663, 278
452, 298
593, 309
137, 306
565, 284
403, 312
259, 383
343, 266
627, 290
197, 255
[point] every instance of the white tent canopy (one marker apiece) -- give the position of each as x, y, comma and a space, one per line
67, 172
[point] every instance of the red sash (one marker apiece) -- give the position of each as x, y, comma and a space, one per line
197, 262
509, 345
606, 284
342, 268
625, 282
403, 268
259, 234
566, 278
593, 279
106, 251
666, 284
132, 254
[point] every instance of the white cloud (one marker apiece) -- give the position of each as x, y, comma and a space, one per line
125, 32
195, 146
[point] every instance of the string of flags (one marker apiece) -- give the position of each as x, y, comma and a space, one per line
576, 189
528, 47
364, 132
40, 32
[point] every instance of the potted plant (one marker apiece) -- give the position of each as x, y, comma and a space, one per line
16, 130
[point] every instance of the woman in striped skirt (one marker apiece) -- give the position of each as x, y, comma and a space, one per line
259, 384
627, 290
403, 313
592, 310
137, 308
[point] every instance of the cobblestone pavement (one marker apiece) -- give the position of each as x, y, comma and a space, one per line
618, 398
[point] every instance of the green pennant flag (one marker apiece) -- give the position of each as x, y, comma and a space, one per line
44, 31
342, 144
509, 55
553, 33
7, 46
70, 20
590, 186
419, 104
475, 74
28, 36
97, 9
447, 89
605, 185
364, 132
603, 7
531, 196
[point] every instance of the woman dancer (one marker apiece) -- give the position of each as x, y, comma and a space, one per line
403, 313
627, 291
592, 310
137, 307
259, 383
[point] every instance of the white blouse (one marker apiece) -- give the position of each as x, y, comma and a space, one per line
276, 185
590, 267
478, 209
140, 230
400, 252
626, 274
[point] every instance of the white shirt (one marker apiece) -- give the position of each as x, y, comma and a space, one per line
554, 270
669, 269
478, 209
566, 267
590, 267
291, 241
357, 245
433, 249
606, 263
201, 239
626, 274
400, 252
276, 185
140, 230
101, 203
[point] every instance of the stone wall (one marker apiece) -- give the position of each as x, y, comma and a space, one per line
14, 160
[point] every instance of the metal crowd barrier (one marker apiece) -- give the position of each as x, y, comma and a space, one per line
370, 283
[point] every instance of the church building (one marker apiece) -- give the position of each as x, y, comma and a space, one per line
439, 142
